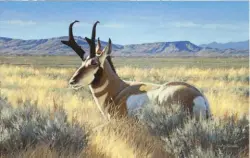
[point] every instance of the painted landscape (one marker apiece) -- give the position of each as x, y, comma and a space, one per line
41, 115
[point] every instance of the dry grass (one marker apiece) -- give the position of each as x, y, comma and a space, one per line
225, 88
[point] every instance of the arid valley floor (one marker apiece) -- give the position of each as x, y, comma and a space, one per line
42, 117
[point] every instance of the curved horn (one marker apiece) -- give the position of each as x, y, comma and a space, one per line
71, 37
72, 43
92, 42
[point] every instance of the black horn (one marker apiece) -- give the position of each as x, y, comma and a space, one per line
72, 43
91, 41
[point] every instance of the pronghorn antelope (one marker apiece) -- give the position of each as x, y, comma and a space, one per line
116, 96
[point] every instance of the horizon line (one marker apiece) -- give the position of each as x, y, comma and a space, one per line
128, 44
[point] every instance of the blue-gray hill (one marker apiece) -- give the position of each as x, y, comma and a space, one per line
53, 46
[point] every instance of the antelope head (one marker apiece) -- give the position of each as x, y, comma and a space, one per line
86, 73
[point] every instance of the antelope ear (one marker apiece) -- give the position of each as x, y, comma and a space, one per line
98, 46
105, 53
110, 47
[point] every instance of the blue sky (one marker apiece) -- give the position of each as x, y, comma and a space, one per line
128, 22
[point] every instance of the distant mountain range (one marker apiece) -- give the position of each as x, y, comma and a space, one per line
243, 45
53, 46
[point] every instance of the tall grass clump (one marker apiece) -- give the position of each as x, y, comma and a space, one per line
187, 137
27, 127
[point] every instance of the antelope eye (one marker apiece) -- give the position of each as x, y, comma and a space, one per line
94, 62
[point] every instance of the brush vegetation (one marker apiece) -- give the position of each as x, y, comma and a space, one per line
42, 117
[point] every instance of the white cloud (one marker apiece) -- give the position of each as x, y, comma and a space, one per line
114, 25
225, 26
190, 24
105, 25
18, 22
185, 24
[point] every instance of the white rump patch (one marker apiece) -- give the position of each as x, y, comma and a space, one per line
135, 102
201, 107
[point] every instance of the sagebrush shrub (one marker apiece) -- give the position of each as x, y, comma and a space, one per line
187, 137
27, 126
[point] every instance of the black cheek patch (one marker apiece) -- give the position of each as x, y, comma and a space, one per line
97, 75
